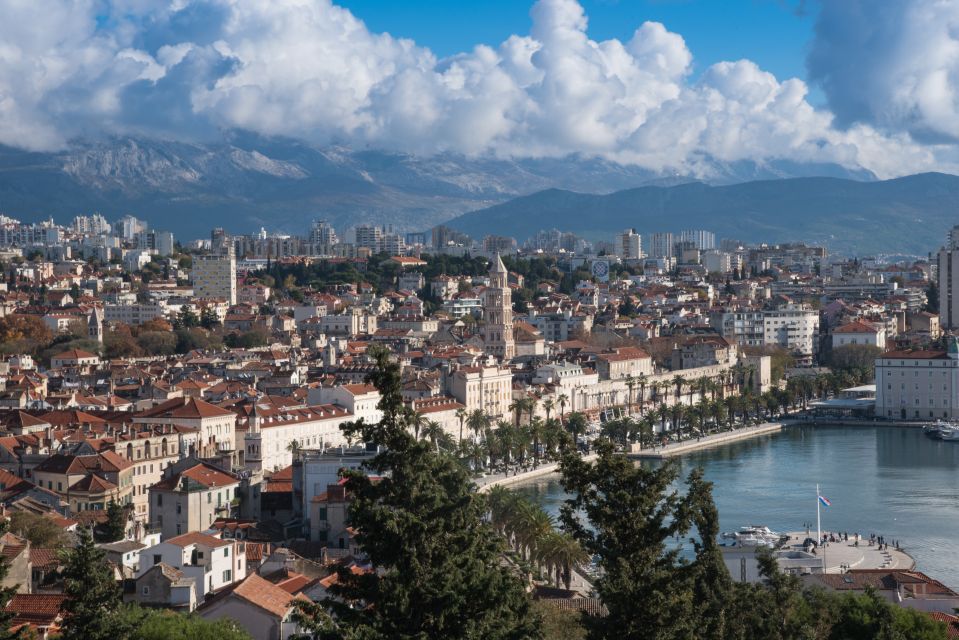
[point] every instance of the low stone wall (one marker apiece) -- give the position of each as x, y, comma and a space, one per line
484, 484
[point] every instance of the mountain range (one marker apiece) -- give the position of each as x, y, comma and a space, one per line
243, 182
908, 215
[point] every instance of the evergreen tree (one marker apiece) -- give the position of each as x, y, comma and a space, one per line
632, 517
93, 596
115, 527
438, 565
932, 297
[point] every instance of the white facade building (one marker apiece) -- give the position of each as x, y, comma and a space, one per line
918, 385
630, 245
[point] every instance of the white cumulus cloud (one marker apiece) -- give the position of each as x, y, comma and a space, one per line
309, 69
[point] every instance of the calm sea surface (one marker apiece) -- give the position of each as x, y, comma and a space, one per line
884, 480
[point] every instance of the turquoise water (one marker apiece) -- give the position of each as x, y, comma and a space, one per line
884, 480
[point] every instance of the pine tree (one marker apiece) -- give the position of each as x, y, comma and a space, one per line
116, 524
632, 518
439, 571
93, 596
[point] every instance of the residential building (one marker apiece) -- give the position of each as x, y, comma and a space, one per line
630, 245
859, 332
214, 275
661, 245
213, 563
190, 497
258, 606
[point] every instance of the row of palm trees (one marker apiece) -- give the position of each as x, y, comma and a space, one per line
723, 402
530, 533
723, 413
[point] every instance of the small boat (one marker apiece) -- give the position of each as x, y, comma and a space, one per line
942, 430
754, 536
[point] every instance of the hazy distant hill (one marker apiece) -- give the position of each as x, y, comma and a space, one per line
909, 215
246, 181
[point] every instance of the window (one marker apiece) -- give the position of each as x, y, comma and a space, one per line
159, 499
227, 576
226, 552
157, 558
145, 591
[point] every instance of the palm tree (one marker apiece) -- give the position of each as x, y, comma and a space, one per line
630, 385
548, 406
641, 382
562, 552
516, 406
477, 421
563, 400
531, 403
293, 447
505, 433
663, 414
417, 421
433, 431
536, 431
461, 416
678, 381
576, 425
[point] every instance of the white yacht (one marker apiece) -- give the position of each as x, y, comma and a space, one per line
942, 430
754, 536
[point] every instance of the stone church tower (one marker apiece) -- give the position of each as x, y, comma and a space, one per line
498, 312
95, 325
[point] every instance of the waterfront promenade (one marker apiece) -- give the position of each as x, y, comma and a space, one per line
502, 480
659, 453
706, 442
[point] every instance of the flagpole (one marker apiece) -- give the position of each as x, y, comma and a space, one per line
819, 542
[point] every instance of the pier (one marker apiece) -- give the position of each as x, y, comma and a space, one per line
839, 557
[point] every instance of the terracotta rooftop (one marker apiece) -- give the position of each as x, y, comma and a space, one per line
195, 537
266, 595
201, 473
187, 408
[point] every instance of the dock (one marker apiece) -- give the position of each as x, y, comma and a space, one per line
839, 558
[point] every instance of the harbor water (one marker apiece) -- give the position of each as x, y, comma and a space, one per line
890, 481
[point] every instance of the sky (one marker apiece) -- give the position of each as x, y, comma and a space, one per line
774, 33
675, 86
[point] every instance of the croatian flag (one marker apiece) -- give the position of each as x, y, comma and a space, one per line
825, 501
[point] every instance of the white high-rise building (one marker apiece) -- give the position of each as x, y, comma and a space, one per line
323, 237
703, 240
214, 275
369, 236
661, 245
630, 245
948, 272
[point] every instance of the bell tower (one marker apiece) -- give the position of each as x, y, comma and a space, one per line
498, 312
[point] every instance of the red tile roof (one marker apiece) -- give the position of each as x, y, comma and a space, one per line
202, 473
195, 537
266, 595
